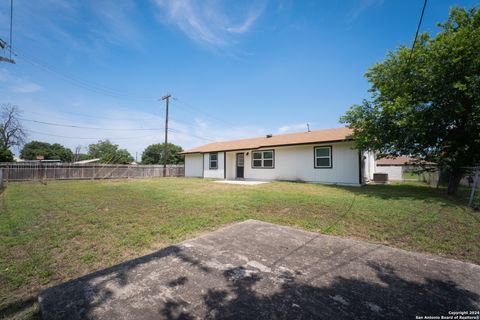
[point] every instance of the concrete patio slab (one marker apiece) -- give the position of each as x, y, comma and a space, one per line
242, 182
257, 270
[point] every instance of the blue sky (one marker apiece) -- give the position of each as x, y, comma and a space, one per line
236, 68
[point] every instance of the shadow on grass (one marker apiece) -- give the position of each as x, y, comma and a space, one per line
234, 294
412, 191
25, 305
402, 191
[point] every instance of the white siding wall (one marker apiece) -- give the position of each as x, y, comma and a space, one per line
297, 164
231, 165
213, 173
193, 165
369, 165
394, 172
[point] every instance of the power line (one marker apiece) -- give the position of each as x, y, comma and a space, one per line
92, 116
3, 44
120, 138
93, 128
111, 129
189, 106
88, 85
100, 89
418, 30
86, 138
11, 28
190, 135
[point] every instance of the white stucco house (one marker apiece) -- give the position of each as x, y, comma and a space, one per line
321, 156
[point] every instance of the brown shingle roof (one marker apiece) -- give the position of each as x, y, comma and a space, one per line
328, 135
397, 161
403, 160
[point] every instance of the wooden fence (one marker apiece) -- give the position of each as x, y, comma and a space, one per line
62, 171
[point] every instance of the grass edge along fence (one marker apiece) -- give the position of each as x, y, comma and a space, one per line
39, 171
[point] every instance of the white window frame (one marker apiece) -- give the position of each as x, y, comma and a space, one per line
262, 159
210, 160
315, 157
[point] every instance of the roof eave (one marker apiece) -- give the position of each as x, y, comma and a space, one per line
268, 146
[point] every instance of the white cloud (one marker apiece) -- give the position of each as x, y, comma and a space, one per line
18, 84
203, 132
296, 127
26, 87
102, 23
208, 21
360, 6
118, 20
247, 24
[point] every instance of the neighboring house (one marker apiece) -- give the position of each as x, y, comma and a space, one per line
322, 156
394, 167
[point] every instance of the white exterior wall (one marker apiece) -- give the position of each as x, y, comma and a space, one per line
368, 165
193, 165
231, 165
296, 163
394, 172
214, 173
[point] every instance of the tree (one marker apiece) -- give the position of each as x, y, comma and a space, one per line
60, 152
153, 154
426, 103
49, 151
12, 133
6, 155
79, 156
109, 152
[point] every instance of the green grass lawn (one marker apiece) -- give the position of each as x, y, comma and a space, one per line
62, 230
412, 176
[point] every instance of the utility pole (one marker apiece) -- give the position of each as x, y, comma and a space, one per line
4, 44
165, 146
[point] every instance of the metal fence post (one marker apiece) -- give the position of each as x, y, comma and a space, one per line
474, 187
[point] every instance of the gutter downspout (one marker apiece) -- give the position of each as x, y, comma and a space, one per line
360, 178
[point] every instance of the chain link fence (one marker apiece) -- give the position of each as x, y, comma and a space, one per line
469, 188
468, 191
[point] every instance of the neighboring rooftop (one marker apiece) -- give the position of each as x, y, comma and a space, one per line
87, 161
396, 161
317, 136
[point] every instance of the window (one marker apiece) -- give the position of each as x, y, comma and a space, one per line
323, 157
213, 161
263, 159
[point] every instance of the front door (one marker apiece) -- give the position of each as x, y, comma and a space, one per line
240, 165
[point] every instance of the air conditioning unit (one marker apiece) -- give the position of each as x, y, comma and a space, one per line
380, 177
